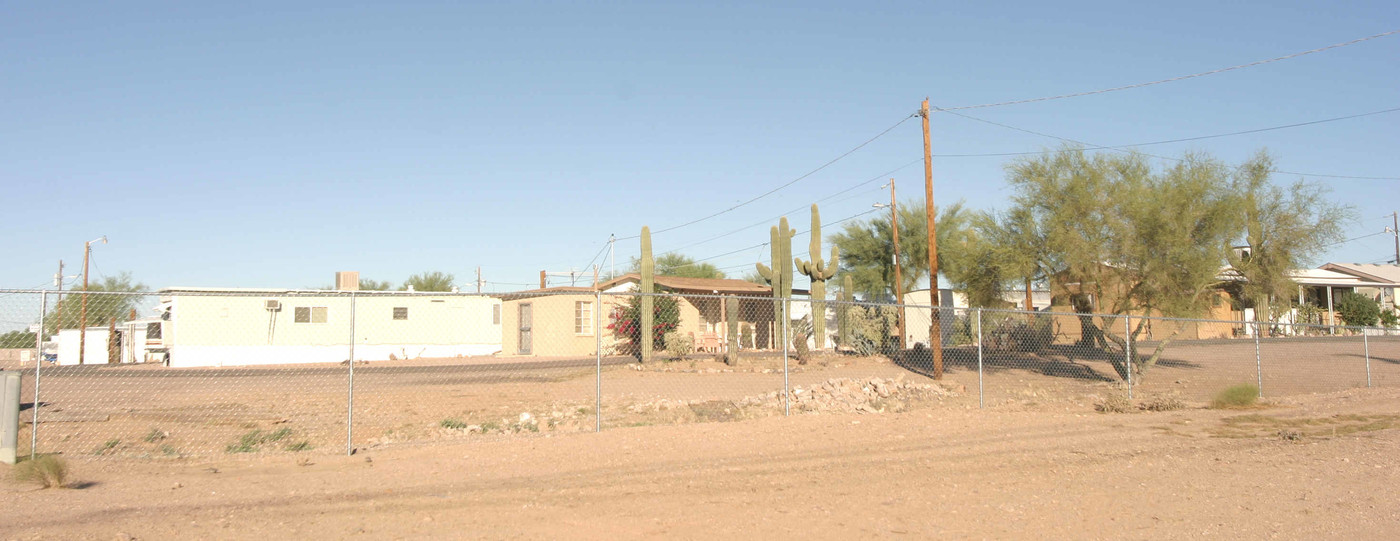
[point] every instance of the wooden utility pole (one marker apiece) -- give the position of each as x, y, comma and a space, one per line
935, 330
82, 320
898, 281
1395, 229
58, 322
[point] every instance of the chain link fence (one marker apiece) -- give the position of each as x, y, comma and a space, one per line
198, 373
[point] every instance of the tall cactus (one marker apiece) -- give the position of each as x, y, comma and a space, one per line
780, 276
731, 306
843, 312
648, 287
819, 271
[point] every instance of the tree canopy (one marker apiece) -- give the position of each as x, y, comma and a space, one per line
101, 308
367, 284
1283, 228
673, 264
867, 248
429, 281
1119, 237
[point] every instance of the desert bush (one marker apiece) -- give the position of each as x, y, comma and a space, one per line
253, 441
49, 471
678, 344
454, 424
1389, 319
1114, 403
869, 328
1236, 396
1163, 403
1357, 309
800, 330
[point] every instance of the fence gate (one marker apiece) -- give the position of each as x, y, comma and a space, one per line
525, 323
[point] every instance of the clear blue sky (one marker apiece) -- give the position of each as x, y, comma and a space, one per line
272, 145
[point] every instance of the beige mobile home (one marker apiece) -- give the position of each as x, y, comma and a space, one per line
238, 327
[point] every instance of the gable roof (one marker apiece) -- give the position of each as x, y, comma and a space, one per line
1389, 274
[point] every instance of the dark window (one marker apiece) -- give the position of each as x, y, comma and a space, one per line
400, 312
309, 314
495, 314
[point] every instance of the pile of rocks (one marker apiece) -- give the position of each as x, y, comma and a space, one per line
846, 395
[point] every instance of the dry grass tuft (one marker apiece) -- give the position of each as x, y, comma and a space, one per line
1114, 403
49, 471
1236, 397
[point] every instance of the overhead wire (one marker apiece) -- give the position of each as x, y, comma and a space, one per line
785, 185
1173, 79
1123, 148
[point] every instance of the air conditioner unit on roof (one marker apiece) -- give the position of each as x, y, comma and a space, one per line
274, 305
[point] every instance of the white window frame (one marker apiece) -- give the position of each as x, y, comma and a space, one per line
583, 318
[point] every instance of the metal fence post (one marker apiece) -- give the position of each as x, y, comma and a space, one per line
598, 371
980, 403
38, 362
784, 338
350, 400
1128, 351
1366, 342
1258, 363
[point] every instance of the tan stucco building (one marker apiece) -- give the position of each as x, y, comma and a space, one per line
560, 321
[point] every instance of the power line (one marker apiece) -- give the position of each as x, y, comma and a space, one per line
1355, 238
873, 179
1173, 79
804, 232
789, 183
1120, 148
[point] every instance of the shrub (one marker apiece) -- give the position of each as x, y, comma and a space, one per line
1236, 396
1389, 319
869, 328
455, 424
801, 331
156, 435
1164, 403
1357, 309
678, 345
49, 471
1114, 403
626, 322
252, 441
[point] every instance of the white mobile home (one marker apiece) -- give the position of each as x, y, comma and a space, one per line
239, 327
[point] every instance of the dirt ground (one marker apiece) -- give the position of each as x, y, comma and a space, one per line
156, 413
1315, 466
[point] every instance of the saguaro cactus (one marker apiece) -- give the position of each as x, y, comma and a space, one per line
780, 276
843, 312
731, 306
819, 271
648, 287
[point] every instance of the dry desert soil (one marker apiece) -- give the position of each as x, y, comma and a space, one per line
1304, 467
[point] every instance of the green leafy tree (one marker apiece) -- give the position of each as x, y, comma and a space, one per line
1120, 238
673, 264
367, 284
1284, 227
102, 308
429, 281
17, 340
1358, 310
867, 248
